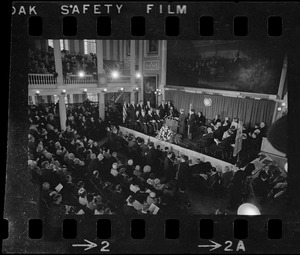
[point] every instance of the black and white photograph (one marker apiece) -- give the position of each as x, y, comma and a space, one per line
196, 128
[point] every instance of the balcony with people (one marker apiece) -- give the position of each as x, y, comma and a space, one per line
76, 68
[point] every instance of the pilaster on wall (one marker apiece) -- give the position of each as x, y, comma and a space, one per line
99, 52
76, 46
132, 64
81, 46
62, 112
101, 105
121, 52
140, 57
58, 61
107, 44
163, 68
115, 50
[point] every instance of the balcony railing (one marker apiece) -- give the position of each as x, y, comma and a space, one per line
76, 79
121, 79
41, 79
49, 79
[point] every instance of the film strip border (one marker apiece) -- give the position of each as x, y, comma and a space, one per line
139, 20
156, 234
219, 16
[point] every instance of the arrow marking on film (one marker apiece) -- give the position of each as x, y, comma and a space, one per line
214, 245
90, 245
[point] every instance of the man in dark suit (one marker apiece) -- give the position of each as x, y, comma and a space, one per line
148, 106
135, 121
98, 164
140, 106
143, 149
181, 122
192, 123
163, 108
144, 122
207, 139
153, 126
158, 118
263, 129
169, 169
132, 108
183, 173
216, 119
172, 112
152, 157
200, 122
223, 144
218, 134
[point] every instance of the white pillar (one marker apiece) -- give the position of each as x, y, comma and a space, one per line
76, 46
132, 63
132, 69
141, 90
99, 53
115, 50
62, 112
81, 47
163, 69
58, 61
101, 104
282, 78
121, 56
33, 99
107, 49
71, 100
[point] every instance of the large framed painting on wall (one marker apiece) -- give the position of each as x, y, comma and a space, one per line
152, 48
150, 86
234, 65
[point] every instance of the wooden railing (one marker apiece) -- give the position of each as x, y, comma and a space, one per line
41, 79
76, 79
49, 79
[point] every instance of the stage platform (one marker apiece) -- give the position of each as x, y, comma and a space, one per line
193, 155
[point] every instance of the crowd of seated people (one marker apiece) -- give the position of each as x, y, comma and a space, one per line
126, 175
214, 137
77, 176
146, 118
40, 62
239, 184
74, 63
60, 158
219, 136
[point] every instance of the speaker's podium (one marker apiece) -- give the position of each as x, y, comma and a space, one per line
172, 124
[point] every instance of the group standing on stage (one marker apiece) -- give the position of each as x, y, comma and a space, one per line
146, 118
212, 135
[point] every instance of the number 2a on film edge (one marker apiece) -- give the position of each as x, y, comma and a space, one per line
240, 246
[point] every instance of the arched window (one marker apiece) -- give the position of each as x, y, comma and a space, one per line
64, 44
50, 43
89, 46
